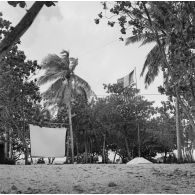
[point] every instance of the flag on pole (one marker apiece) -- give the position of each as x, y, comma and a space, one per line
127, 80
47, 142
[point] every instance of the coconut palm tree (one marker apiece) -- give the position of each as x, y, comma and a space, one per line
155, 59
66, 84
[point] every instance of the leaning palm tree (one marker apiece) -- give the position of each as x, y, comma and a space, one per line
66, 84
155, 59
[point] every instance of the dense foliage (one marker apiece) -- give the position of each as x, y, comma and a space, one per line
18, 94
123, 122
171, 25
111, 124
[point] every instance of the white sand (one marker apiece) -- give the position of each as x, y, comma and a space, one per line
98, 178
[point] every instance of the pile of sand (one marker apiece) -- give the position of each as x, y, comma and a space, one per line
139, 160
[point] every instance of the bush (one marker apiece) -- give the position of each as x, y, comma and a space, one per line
8, 161
40, 161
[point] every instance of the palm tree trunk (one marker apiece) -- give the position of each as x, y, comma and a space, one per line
77, 148
26, 154
85, 146
179, 153
71, 133
67, 149
127, 147
6, 145
89, 150
138, 139
104, 146
10, 144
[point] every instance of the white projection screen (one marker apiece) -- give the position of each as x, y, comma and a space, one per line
47, 142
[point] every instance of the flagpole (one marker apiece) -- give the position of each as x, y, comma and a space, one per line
137, 122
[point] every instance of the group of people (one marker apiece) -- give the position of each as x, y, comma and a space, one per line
50, 160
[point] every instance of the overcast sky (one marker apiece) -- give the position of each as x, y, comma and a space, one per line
70, 26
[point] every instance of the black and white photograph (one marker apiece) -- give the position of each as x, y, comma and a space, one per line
97, 97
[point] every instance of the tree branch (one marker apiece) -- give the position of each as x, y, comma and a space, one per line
20, 28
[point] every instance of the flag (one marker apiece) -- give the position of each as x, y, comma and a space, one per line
127, 80
47, 142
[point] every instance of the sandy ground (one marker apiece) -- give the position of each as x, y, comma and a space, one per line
98, 178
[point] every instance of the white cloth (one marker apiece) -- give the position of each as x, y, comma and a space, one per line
47, 142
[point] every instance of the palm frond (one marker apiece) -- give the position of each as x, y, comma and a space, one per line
74, 63
153, 63
64, 53
81, 83
149, 39
53, 61
58, 93
49, 76
149, 78
51, 92
65, 58
152, 55
144, 38
135, 38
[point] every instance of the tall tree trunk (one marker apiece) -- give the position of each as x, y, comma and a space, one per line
90, 150
77, 149
179, 152
86, 151
26, 155
12, 37
71, 133
103, 152
10, 144
6, 145
138, 137
26, 151
186, 111
67, 149
68, 103
127, 147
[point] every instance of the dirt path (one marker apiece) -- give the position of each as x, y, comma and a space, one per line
98, 178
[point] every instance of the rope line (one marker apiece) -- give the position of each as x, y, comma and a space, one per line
139, 94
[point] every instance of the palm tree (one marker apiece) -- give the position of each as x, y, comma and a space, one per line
155, 58
65, 86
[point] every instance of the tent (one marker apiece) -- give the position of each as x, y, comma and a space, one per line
139, 160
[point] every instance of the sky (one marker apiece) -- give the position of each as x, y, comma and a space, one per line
102, 57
